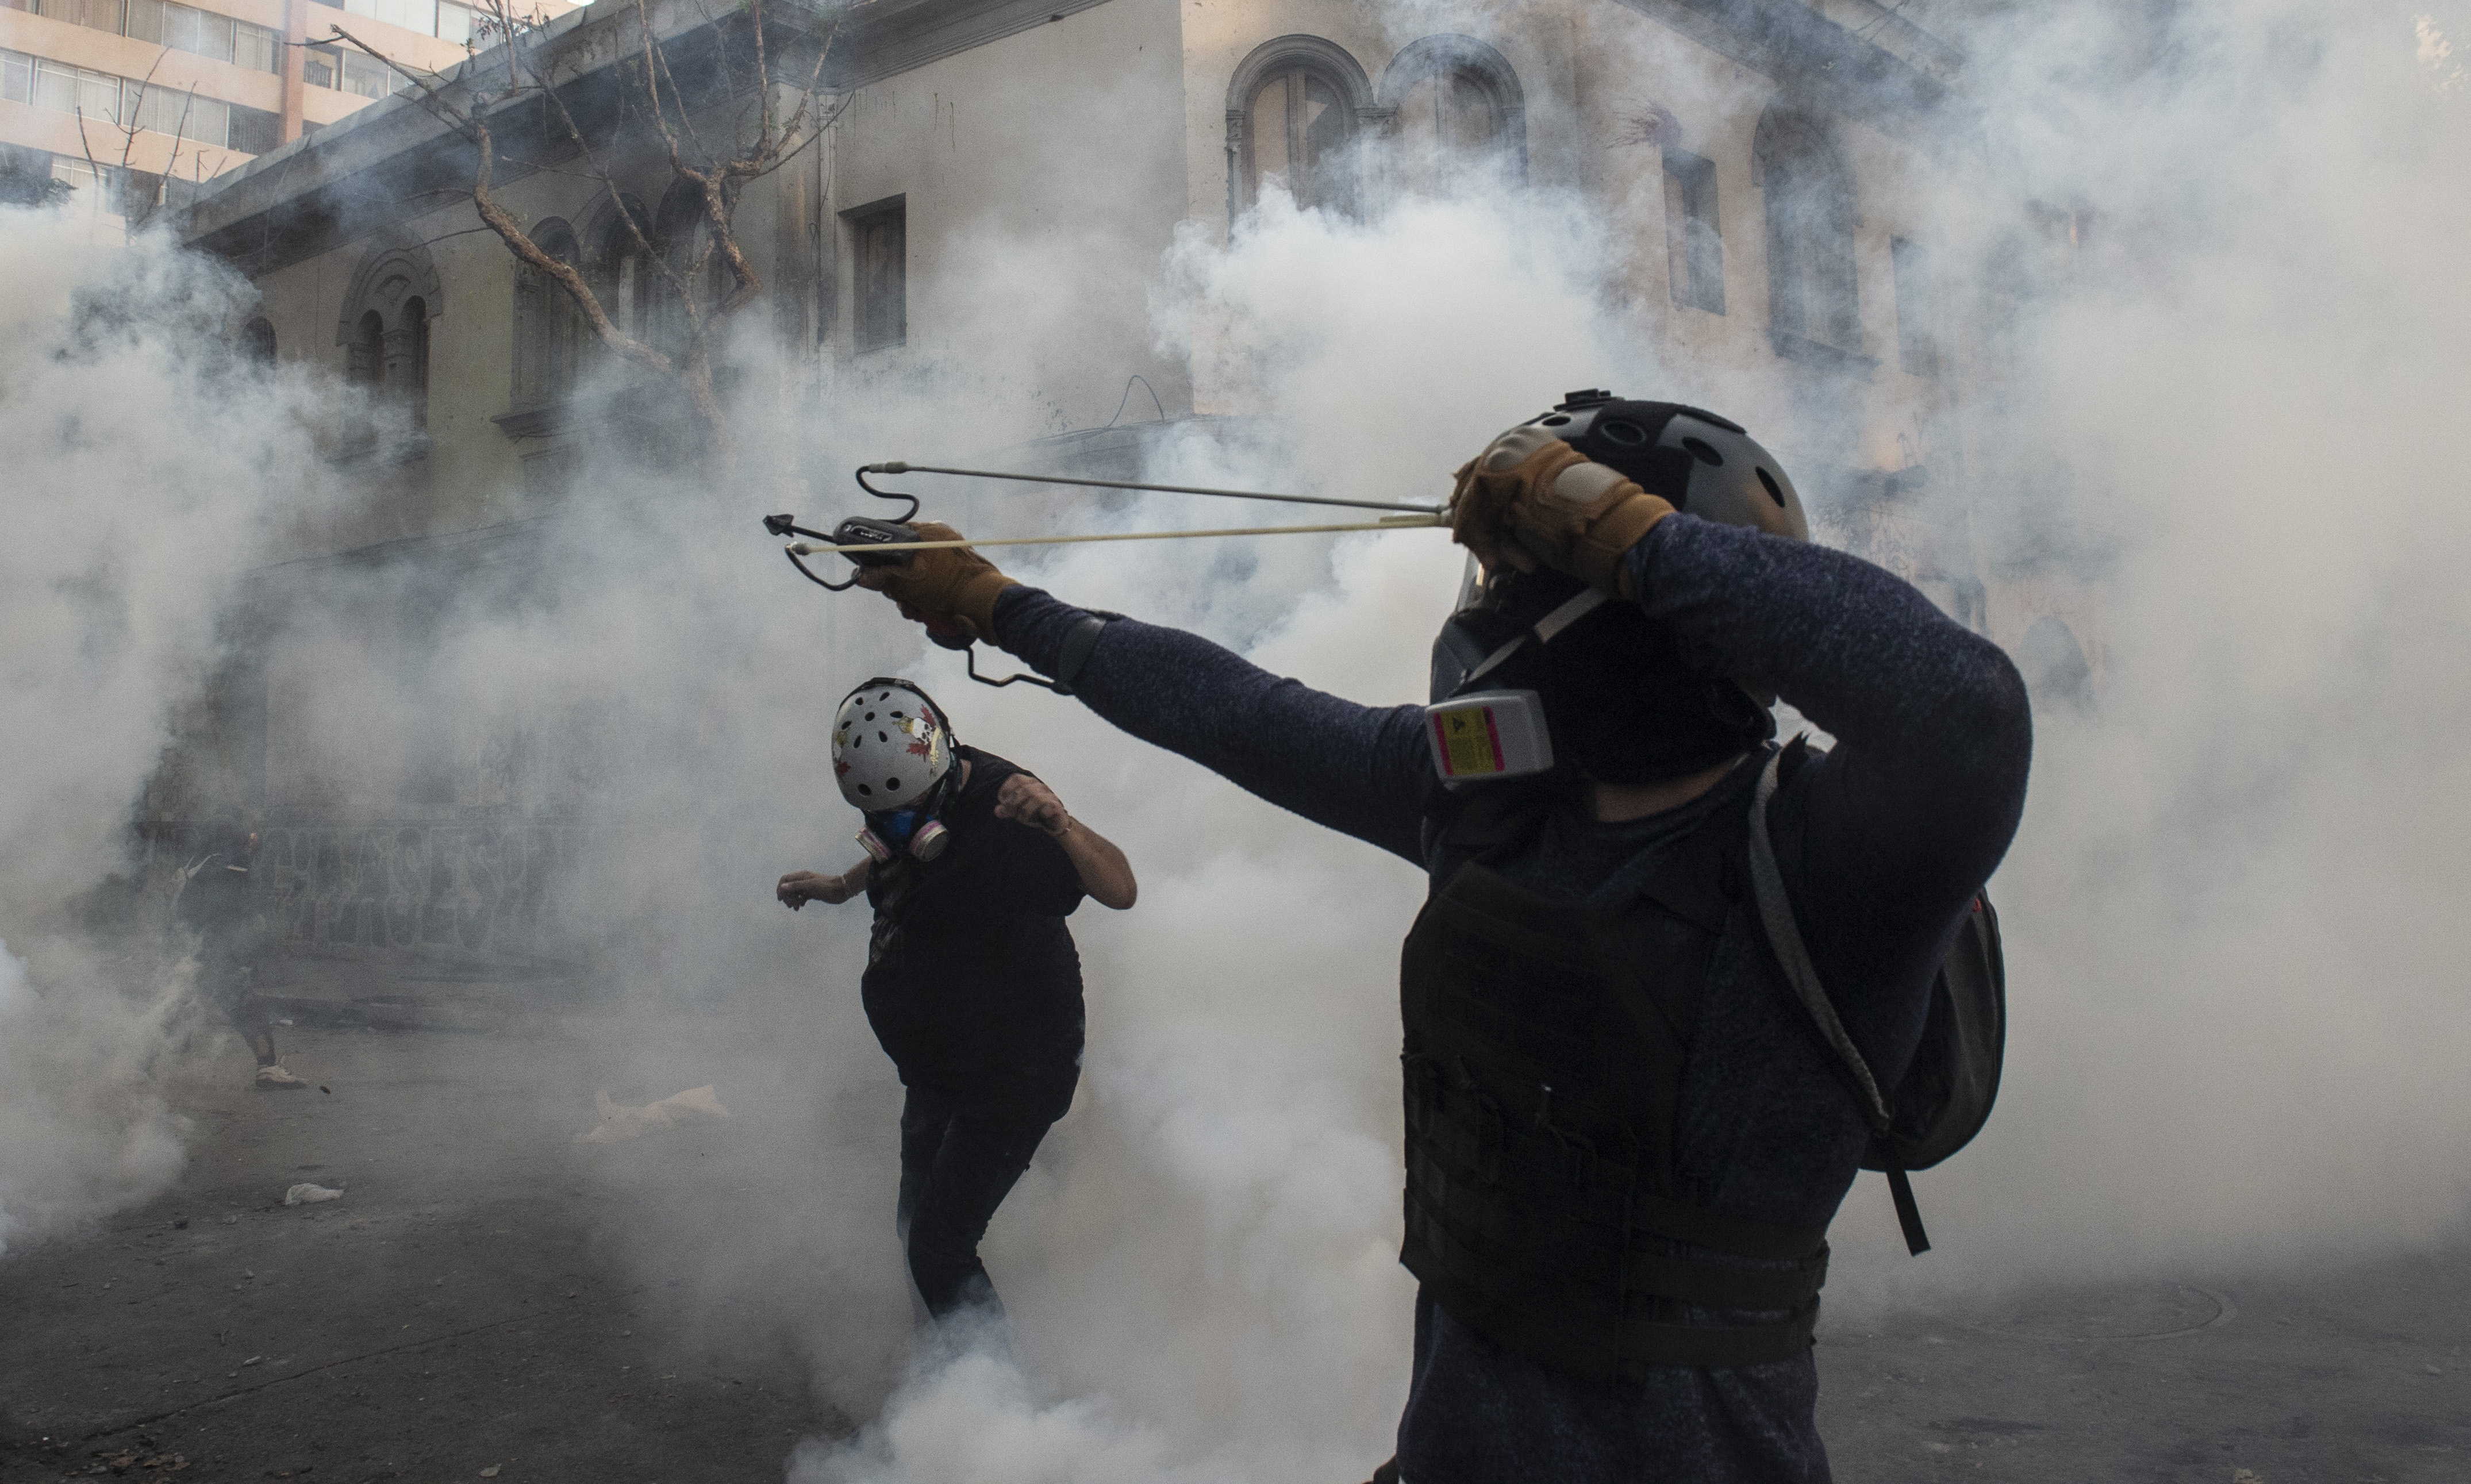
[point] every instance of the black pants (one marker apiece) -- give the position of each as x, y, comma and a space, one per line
225, 981
959, 1159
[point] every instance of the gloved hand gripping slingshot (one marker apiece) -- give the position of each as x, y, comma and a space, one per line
944, 584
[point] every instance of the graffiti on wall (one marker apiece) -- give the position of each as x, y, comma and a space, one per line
480, 888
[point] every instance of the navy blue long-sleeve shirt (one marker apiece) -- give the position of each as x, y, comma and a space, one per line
1883, 843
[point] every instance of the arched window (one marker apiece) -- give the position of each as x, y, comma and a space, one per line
365, 365
624, 270
1457, 117
550, 330
1291, 119
257, 342
1810, 219
389, 314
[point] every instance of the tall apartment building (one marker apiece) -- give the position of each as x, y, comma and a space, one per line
139, 101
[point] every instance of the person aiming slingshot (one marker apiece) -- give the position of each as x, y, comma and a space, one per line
1674, 985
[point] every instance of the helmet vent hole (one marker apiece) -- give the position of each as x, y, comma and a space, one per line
1700, 451
870, 716
1622, 431
1557, 420
892, 786
881, 737
863, 789
1775, 491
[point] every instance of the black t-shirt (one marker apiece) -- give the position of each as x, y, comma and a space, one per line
215, 902
972, 983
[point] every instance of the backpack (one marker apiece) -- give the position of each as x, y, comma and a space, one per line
1945, 1096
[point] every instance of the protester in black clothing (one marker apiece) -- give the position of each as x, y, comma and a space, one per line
1625, 1138
213, 904
972, 983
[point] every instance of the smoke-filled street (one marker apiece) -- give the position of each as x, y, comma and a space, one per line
449, 1315
1610, 742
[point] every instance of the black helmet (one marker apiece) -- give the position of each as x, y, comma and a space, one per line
1706, 464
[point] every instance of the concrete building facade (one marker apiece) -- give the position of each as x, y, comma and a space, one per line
141, 101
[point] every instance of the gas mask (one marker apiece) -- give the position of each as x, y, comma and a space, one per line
1536, 670
914, 831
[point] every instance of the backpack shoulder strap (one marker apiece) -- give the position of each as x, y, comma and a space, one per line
1793, 956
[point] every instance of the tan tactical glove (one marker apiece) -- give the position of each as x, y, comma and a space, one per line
951, 590
1531, 500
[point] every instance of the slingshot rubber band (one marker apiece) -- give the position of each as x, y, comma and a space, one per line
897, 467
1429, 519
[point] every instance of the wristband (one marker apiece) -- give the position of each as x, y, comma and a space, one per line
1076, 652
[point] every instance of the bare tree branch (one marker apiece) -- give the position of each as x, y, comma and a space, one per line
710, 179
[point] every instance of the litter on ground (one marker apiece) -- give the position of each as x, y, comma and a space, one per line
308, 1194
695, 1105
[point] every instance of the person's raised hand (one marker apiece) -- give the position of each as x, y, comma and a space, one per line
1033, 803
1531, 500
800, 887
951, 590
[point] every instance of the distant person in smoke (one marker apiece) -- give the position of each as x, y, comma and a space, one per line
1625, 1139
971, 982
213, 904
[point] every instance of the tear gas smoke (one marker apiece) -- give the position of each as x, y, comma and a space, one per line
2236, 1015
2231, 421
144, 467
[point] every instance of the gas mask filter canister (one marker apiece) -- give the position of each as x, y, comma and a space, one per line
1489, 735
886, 836
1484, 734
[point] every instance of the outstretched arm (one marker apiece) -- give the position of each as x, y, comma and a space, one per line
1358, 769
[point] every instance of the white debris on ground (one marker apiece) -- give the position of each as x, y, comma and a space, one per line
309, 1194
694, 1105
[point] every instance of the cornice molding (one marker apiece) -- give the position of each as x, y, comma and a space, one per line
365, 171
1829, 68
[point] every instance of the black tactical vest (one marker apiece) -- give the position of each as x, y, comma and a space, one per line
1545, 1043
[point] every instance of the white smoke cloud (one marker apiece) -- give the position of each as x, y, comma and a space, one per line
2235, 1011
144, 470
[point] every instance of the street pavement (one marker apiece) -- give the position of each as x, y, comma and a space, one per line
462, 1307
470, 1305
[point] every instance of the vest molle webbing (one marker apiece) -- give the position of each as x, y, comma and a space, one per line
1544, 1050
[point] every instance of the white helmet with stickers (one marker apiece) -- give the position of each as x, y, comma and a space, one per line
891, 746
